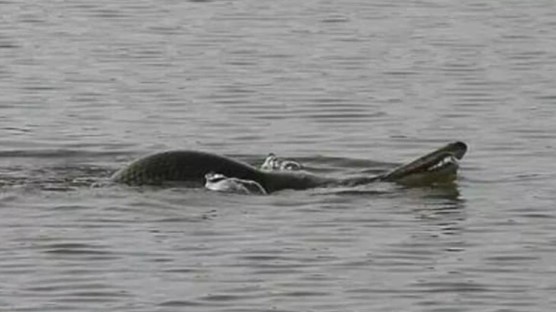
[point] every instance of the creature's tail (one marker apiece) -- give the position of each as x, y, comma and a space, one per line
439, 166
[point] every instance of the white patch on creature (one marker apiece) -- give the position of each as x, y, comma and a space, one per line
220, 183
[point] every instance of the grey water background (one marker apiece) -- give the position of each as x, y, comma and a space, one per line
343, 86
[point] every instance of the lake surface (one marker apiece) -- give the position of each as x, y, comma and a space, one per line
342, 86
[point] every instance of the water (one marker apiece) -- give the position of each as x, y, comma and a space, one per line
342, 86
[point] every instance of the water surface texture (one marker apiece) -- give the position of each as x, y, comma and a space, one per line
342, 86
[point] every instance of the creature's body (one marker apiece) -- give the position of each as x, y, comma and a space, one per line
190, 167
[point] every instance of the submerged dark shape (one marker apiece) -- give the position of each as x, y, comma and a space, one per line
190, 167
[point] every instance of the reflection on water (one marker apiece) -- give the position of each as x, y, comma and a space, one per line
344, 88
